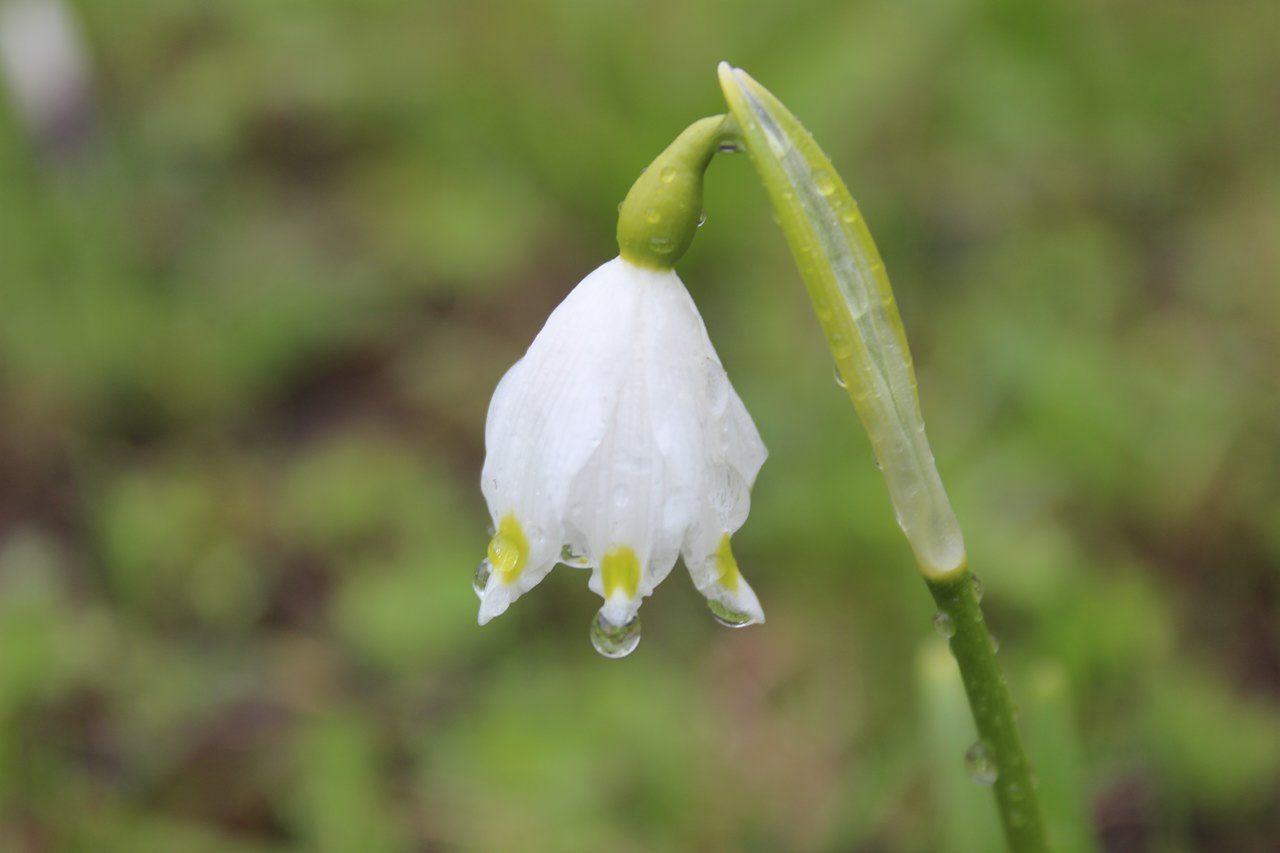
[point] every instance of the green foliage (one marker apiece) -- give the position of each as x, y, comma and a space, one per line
253, 305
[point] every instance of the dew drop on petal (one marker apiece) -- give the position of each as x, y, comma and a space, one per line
726, 615
978, 589
850, 214
652, 216
667, 175
615, 641
702, 219
728, 148
840, 377
995, 643
944, 625
480, 580
979, 764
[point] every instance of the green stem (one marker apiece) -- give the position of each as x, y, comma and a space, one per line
993, 712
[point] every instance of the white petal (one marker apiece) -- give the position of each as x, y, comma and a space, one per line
717, 576
618, 429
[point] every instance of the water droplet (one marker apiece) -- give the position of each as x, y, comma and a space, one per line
619, 207
662, 245
849, 214
492, 530
995, 643
615, 641
944, 625
702, 219
840, 378
667, 175
480, 580
728, 148
979, 764
823, 182
726, 615
652, 216
978, 589
569, 556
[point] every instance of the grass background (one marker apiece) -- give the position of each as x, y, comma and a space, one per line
256, 290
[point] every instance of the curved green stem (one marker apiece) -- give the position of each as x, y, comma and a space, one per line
993, 713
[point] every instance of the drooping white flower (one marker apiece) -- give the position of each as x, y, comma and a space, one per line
617, 444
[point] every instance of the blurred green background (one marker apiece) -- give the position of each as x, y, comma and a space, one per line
262, 266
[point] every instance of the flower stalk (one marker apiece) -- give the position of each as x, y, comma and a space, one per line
999, 741
851, 294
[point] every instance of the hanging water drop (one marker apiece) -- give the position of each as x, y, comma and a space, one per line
726, 615
728, 148
667, 175
980, 765
978, 589
995, 643
702, 219
840, 377
615, 641
480, 580
944, 625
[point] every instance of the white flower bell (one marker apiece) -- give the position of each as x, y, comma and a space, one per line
617, 444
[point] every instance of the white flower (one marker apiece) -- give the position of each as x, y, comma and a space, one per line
618, 444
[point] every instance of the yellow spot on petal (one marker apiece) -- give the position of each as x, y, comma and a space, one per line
508, 549
727, 565
621, 571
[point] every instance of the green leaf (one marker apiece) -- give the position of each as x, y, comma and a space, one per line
850, 291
